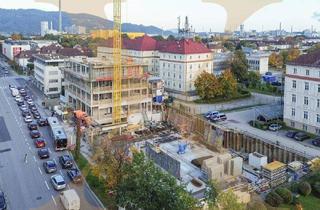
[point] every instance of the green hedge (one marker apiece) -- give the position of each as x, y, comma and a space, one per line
241, 94
304, 188
285, 194
273, 199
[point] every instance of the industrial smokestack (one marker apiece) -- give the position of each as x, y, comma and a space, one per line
60, 17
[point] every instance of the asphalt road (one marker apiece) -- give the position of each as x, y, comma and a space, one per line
26, 185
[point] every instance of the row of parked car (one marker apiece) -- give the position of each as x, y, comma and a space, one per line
215, 116
301, 136
34, 120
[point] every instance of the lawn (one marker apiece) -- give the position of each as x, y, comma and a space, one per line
239, 95
309, 203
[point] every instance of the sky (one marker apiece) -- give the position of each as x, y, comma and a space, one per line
299, 14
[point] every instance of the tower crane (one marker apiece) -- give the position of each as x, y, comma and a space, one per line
117, 65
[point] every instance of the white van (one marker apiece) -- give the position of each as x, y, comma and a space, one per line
70, 200
14, 92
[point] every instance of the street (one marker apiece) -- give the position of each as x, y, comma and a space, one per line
26, 184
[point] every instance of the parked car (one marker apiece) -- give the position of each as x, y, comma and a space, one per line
301, 136
42, 122
39, 143
33, 126
75, 175
65, 161
33, 109
35, 134
274, 127
18, 98
316, 142
36, 115
23, 107
26, 98
31, 105
43, 153
291, 134
219, 117
28, 119
50, 166
58, 182
3, 202
20, 103
211, 114
25, 113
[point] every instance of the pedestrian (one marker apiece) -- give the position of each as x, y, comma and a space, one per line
26, 158
52, 114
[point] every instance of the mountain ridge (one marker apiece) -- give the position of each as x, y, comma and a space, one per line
14, 21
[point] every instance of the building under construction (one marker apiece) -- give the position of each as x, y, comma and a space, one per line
89, 87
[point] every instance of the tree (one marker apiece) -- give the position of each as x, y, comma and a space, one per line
315, 167
239, 66
147, 187
273, 199
16, 37
255, 205
285, 194
253, 79
198, 39
171, 38
228, 84
207, 86
158, 38
229, 45
293, 54
212, 193
275, 60
228, 201
304, 188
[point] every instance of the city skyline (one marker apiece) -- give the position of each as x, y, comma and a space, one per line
203, 16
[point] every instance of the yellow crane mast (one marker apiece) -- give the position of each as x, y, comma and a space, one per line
117, 68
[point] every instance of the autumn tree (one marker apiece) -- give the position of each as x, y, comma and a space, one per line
293, 54
228, 83
227, 200
275, 60
207, 86
16, 37
145, 186
239, 65
253, 79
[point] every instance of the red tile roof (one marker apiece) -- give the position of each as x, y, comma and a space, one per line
310, 59
146, 43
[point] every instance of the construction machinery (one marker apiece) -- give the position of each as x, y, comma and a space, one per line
117, 68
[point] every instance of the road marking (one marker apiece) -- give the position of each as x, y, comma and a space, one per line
54, 201
39, 169
47, 184
49, 150
34, 157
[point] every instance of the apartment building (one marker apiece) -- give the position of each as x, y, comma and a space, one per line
258, 61
178, 62
302, 93
47, 74
11, 48
89, 87
139, 50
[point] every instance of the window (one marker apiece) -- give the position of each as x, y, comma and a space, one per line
318, 103
318, 118
293, 112
53, 89
305, 115
306, 101
294, 98
294, 84
317, 131
190, 66
293, 124
318, 88
306, 85
307, 72
295, 71
305, 127
53, 81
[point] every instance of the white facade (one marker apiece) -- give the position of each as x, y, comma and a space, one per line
48, 75
44, 27
302, 98
257, 160
179, 71
12, 48
149, 58
258, 62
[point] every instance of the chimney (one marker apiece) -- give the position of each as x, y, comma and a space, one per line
60, 17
